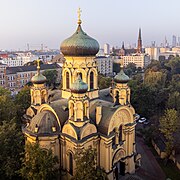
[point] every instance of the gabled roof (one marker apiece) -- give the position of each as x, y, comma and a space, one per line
14, 70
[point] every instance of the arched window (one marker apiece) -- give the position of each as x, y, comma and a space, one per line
114, 139
91, 80
67, 80
80, 74
120, 133
71, 164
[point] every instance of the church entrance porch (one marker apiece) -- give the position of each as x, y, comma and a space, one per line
119, 170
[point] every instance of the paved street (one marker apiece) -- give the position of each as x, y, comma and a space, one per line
150, 169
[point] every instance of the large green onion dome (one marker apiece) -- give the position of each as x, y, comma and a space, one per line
79, 86
79, 44
121, 77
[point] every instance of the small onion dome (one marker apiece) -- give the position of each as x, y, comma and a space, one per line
38, 79
79, 44
79, 86
121, 77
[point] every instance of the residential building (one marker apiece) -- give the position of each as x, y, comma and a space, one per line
2, 74
18, 59
141, 60
105, 65
17, 77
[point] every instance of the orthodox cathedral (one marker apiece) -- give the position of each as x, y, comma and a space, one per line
81, 115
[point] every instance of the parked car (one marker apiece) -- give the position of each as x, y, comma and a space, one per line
137, 116
142, 120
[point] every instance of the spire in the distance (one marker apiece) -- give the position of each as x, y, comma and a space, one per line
139, 48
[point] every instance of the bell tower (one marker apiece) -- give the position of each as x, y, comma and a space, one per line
139, 48
39, 93
121, 91
79, 51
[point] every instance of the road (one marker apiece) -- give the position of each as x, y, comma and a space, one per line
150, 169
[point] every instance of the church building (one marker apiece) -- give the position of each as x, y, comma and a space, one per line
82, 115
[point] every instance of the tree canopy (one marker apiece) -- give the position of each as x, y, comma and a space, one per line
168, 126
38, 163
11, 147
51, 76
86, 166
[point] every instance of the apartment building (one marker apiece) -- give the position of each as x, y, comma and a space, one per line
105, 65
17, 77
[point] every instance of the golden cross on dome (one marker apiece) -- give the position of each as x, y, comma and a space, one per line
38, 65
79, 16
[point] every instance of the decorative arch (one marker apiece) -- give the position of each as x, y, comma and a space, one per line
122, 116
69, 130
64, 74
70, 161
87, 130
82, 71
89, 78
46, 107
118, 155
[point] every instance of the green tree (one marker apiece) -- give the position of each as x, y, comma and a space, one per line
51, 76
168, 126
8, 108
104, 82
33, 63
11, 146
38, 164
86, 166
174, 64
155, 78
23, 100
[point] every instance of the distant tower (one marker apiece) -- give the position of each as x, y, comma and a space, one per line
106, 49
122, 50
174, 42
178, 41
139, 48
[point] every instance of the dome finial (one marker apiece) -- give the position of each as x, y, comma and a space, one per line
79, 16
38, 66
121, 65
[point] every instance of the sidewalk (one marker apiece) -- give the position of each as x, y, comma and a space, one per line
150, 169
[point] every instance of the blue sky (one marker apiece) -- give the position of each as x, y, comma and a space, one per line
112, 21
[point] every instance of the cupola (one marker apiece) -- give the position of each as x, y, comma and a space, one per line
38, 78
79, 44
79, 86
121, 77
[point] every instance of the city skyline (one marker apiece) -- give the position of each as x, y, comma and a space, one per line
49, 23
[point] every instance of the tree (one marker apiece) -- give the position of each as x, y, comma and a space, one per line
104, 82
174, 64
131, 66
51, 76
38, 164
33, 63
11, 146
168, 126
23, 100
7, 106
86, 166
